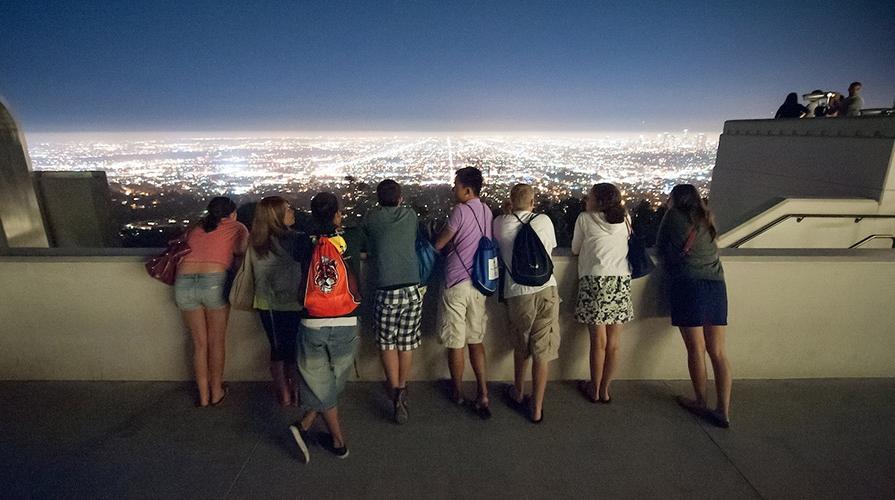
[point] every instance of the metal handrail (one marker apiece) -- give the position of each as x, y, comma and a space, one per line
800, 217
873, 237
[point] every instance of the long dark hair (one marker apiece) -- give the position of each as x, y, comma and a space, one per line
324, 207
268, 223
219, 208
608, 199
685, 197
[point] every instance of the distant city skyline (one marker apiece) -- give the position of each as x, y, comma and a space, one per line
428, 66
160, 185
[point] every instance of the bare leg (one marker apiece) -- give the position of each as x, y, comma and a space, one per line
613, 342
195, 322
217, 345
695, 342
477, 359
715, 345
331, 417
405, 363
539, 370
597, 357
307, 420
456, 363
391, 368
520, 366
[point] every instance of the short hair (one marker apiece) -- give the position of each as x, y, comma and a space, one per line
854, 84
324, 207
521, 196
389, 193
471, 177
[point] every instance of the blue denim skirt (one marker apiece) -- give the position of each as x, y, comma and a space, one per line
698, 302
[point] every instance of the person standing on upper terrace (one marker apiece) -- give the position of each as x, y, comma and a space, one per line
854, 102
200, 293
791, 108
698, 297
462, 307
390, 231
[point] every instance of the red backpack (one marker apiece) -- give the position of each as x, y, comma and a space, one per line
331, 290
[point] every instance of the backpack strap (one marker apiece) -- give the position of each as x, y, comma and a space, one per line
525, 222
477, 223
481, 230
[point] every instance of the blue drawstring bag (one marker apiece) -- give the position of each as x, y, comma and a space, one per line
485, 270
426, 256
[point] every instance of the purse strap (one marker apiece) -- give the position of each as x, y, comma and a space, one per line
688, 245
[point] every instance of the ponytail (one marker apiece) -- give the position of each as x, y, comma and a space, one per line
219, 208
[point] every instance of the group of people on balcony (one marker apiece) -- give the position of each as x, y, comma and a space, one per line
301, 284
823, 104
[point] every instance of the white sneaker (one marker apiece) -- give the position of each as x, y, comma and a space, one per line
301, 439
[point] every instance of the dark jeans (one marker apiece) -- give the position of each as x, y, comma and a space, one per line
282, 333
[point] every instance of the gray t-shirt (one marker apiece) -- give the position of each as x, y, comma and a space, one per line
853, 105
702, 262
391, 244
278, 276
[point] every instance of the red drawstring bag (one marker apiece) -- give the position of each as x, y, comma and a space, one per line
164, 266
331, 290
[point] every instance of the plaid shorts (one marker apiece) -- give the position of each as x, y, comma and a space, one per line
397, 317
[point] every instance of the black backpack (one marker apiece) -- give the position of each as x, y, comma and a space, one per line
532, 265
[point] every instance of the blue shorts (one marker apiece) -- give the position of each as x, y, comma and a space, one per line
698, 302
197, 291
325, 358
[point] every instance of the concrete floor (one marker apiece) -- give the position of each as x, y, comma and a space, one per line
789, 438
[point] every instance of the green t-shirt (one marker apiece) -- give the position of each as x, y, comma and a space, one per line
702, 263
391, 244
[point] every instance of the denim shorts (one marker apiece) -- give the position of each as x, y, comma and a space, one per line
196, 291
325, 357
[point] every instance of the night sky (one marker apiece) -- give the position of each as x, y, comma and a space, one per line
432, 66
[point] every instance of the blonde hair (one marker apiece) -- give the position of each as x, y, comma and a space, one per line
268, 223
522, 196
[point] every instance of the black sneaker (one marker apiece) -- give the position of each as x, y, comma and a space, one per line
341, 452
301, 439
401, 414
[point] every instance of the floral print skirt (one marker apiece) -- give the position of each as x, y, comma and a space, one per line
604, 300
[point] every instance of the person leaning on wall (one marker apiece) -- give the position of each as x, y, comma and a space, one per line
697, 294
200, 293
276, 252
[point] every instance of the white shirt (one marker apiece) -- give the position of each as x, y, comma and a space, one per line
602, 248
506, 227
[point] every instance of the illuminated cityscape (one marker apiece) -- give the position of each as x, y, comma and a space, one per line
160, 185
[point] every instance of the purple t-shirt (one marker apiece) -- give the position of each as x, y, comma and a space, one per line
468, 221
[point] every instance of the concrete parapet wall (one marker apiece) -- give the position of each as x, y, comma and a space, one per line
793, 314
761, 162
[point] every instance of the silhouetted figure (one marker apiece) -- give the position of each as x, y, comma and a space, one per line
836, 105
791, 108
645, 222
854, 102
245, 214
